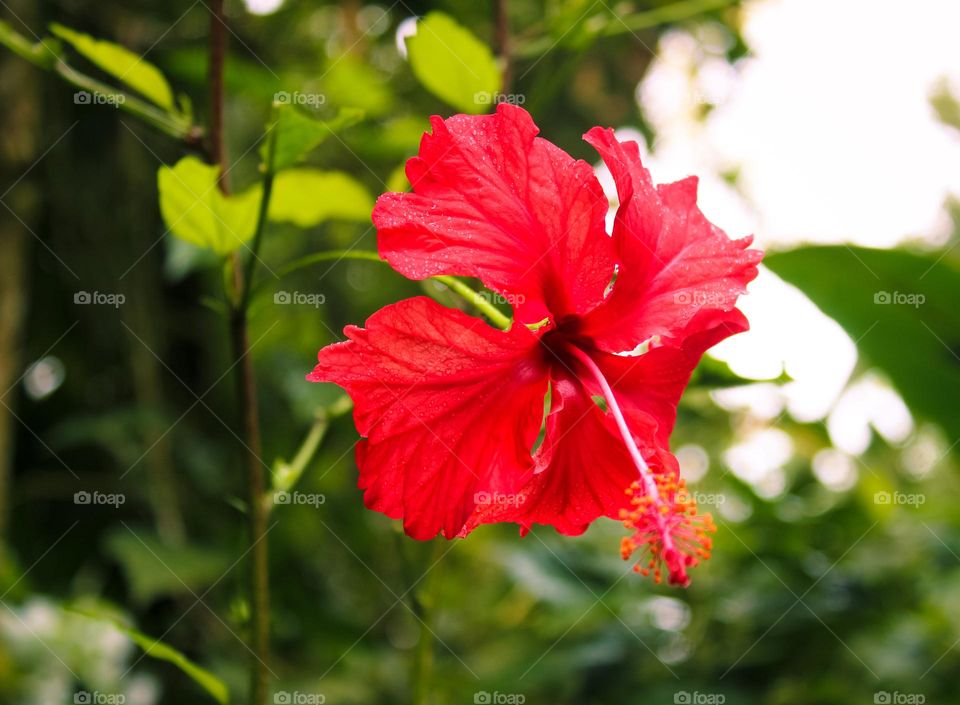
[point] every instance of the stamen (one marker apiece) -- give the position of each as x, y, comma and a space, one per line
663, 516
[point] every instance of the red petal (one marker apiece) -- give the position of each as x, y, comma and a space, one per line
449, 406
673, 263
583, 468
492, 200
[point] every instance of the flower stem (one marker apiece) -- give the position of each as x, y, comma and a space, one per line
477, 299
452, 283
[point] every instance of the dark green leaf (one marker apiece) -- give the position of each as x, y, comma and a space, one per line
297, 133
901, 310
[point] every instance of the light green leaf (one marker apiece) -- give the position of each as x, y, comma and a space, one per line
195, 210
453, 64
349, 81
164, 652
306, 197
297, 133
123, 64
900, 308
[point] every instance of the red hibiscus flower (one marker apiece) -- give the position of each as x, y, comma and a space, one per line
607, 328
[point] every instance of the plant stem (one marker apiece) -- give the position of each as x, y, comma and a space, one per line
326, 256
262, 214
477, 299
458, 287
425, 607
287, 475
172, 125
246, 382
502, 42
41, 55
218, 52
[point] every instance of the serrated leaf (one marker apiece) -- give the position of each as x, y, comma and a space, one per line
121, 63
306, 197
297, 133
876, 296
453, 64
195, 210
155, 648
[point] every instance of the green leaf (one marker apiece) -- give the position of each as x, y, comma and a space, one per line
397, 180
297, 133
899, 307
453, 64
164, 652
195, 210
712, 373
306, 197
154, 568
121, 63
349, 81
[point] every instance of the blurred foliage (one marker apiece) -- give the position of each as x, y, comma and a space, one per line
814, 595
914, 338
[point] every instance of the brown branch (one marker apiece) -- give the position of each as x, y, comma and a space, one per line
502, 41
246, 387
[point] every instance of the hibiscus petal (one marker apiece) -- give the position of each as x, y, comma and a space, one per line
673, 263
653, 388
492, 200
583, 468
449, 408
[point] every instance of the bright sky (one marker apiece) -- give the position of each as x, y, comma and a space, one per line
829, 125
